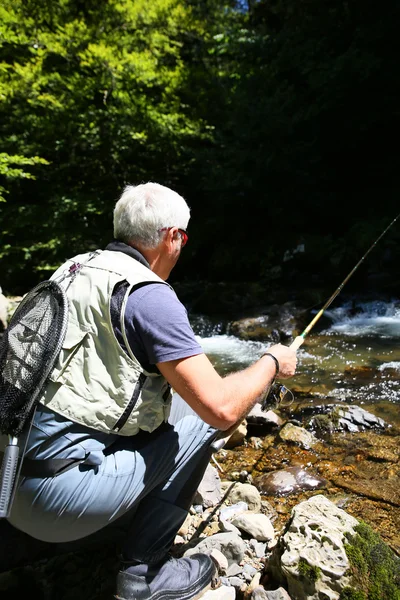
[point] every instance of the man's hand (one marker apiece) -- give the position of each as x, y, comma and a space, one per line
224, 401
287, 359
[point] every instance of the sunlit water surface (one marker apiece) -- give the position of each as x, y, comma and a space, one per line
356, 359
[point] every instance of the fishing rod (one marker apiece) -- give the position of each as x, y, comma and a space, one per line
277, 392
300, 338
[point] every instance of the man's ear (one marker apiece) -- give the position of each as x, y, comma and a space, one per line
172, 235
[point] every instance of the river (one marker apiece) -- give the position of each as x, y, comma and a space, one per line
355, 358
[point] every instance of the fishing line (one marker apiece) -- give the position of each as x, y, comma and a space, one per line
300, 338
280, 395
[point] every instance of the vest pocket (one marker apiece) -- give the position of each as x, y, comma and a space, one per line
131, 404
72, 344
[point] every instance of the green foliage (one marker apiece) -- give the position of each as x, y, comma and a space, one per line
275, 121
350, 594
97, 91
9, 170
375, 569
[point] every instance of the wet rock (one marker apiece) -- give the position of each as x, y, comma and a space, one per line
376, 489
288, 481
278, 323
346, 418
297, 435
257, 416
382, 455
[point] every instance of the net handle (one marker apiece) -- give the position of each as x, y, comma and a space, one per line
7, 478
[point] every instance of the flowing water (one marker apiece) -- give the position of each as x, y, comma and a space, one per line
354, 359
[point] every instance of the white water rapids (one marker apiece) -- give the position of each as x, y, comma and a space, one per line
355, 359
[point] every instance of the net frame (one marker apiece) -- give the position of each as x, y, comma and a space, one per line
28, 351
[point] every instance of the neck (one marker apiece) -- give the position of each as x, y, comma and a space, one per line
156, 261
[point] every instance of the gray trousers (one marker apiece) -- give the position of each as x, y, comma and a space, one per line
140, 494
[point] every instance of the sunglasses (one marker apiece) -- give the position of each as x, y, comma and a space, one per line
182, 232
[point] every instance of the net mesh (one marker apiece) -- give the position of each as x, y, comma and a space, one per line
28, 350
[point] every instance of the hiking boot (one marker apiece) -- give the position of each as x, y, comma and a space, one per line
176, 578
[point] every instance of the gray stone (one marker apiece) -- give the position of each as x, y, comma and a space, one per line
316, 535
231, 545
209, 490
242, 492
257, 526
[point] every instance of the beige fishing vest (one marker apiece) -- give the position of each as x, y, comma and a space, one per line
95, 382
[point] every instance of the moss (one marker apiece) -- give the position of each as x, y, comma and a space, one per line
356, 558
350, 594
310, 572
374, 568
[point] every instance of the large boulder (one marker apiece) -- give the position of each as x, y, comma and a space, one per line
310, 557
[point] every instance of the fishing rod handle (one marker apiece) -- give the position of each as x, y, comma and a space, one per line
295, 345
7, 478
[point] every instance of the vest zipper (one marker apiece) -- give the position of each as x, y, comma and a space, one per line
131, 404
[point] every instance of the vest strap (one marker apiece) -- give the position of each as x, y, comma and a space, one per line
50, 467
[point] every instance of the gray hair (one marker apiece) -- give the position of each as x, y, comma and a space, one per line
143, 210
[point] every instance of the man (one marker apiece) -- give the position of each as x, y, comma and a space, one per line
105, 454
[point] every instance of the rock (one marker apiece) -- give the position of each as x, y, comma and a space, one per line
297, 435
220, 560
259, 593
310, 556
229, 512
279, 323
242, 492
223, 592
250, 573
209, 491
288, 481
231, 545
346, 418
257, 526
238, 436
258, 416
258, 548
378, 489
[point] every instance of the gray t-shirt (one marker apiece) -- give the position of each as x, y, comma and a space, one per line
158, 330
157, 326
